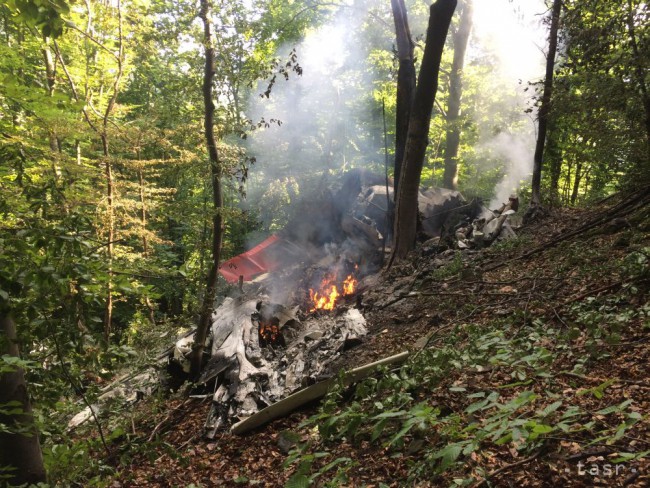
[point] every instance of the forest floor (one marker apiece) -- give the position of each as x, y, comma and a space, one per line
534, 372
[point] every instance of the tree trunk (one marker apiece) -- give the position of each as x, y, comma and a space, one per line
143, 206
108, 171
418, 131
554, 156
19, 448
576, 183
567, 184
217, 197
639, 72
544, 109
50, 74
460, 38
405, 84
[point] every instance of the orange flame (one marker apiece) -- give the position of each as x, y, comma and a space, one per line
349, 285
328, 294
269, 332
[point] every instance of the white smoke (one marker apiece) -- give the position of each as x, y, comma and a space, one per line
513, 34
325, 114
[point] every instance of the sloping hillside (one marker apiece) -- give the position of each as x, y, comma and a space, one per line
531, 369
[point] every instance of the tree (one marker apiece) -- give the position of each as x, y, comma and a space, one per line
20, 451
217, 197
639, 64
405, 83
545, 107
460, 39
597, 135
406, 213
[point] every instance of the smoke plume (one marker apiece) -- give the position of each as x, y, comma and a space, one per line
512, 35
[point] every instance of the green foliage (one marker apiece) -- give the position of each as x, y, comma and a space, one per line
450, 269
76, 463
397, 409
516, 244
45, 15
605, 321
598, 140
310, 467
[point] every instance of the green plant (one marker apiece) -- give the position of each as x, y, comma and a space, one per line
450, 269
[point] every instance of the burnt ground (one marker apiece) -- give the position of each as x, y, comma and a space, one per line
556, 321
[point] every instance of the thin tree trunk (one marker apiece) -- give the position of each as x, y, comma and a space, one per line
418, 132
544, 109
576, 183
639, 72
143, 207
19, 448
460, 38
143, 221
554, 156
405, 84
50, 74
567, 184
217, 197
108, 171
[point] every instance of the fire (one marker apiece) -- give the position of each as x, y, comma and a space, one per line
349, 285
269, 333
328, 294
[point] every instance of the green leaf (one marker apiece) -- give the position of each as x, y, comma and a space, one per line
329, 466
542, 429
608, 410
504, 439
387, 415
550, 409
402, 432
480, 394
476, 406
379, 428
297, 481
629, 456
448, 455
512, 385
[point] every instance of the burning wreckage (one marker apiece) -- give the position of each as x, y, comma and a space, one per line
274, 342
298, 309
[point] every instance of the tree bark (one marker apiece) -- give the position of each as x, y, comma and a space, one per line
217, 197
405, 84
20, 448
567, 184
108, 172
576, 183
418, 131
143, 206
544, 109
554, 156
639, 72
460, 38
50, 74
